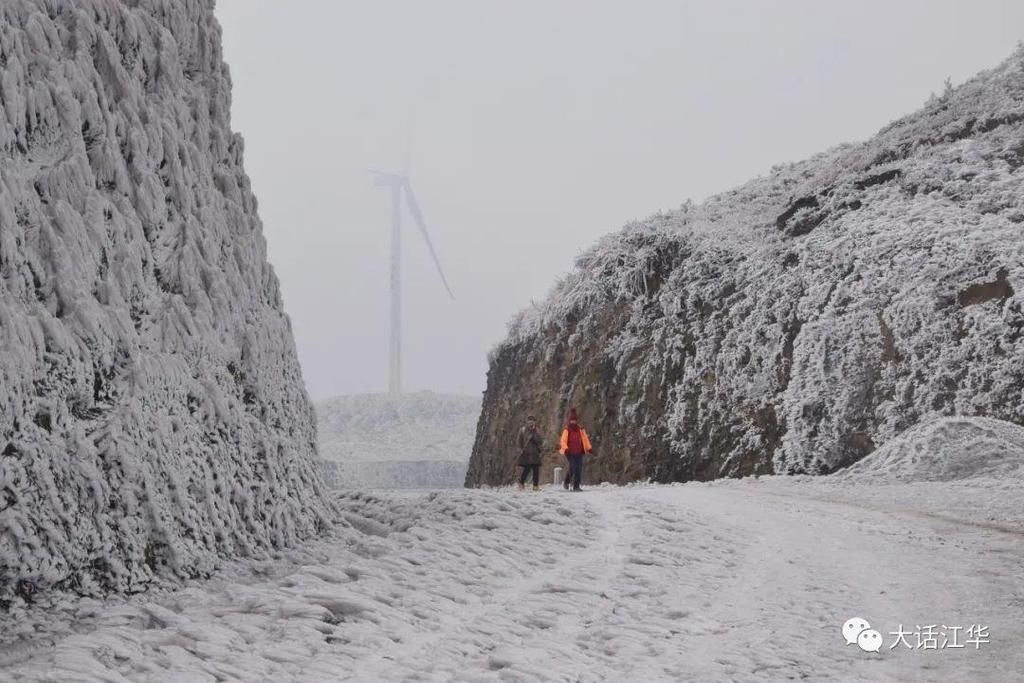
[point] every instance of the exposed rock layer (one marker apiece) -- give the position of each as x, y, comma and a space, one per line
798, 322
152, 413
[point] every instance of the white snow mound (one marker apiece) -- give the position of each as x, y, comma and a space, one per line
948, 449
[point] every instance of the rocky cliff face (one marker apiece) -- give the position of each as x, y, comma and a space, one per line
798, 322
152, 413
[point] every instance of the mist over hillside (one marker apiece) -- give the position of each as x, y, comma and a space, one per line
397, 440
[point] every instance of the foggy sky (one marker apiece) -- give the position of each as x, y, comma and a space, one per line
538, 126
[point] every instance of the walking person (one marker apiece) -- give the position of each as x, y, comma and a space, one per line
531, 445
575, 444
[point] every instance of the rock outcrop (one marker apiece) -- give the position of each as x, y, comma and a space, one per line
152, 415
798, 322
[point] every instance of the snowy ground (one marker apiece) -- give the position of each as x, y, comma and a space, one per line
732, 581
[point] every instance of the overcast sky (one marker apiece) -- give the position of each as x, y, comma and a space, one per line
538, 126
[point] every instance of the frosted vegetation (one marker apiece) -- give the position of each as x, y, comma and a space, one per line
396, 441
796, 323
153, 414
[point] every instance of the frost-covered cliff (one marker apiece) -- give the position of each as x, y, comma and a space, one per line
152, 412
798, 322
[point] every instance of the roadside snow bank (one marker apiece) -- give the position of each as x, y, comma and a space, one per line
947, 449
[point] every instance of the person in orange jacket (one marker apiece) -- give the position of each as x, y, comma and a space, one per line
575, 444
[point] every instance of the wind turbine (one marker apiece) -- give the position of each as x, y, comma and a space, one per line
401, 188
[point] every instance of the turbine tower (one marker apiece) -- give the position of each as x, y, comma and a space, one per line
401, 189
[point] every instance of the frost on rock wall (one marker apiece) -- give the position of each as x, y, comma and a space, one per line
798, 322
152, 411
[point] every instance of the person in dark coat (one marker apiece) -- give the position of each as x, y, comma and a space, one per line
575, 444
531, 445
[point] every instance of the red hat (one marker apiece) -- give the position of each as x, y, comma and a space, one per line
573, 417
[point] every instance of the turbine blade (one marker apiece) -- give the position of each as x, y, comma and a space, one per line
417, 216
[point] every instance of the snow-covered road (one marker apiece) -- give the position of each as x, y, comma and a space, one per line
731, 581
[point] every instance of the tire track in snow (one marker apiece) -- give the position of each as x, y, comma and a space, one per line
595, 571
814, 563
908, 512
695, 582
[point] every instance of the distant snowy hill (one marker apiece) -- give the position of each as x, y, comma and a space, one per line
405, 440
152, 410
798, 322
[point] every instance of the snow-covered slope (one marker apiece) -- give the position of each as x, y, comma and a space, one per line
947, 449
798, 322
379, 427
401, 441
152, 412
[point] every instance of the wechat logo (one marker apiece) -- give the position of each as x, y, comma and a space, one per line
858, 631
